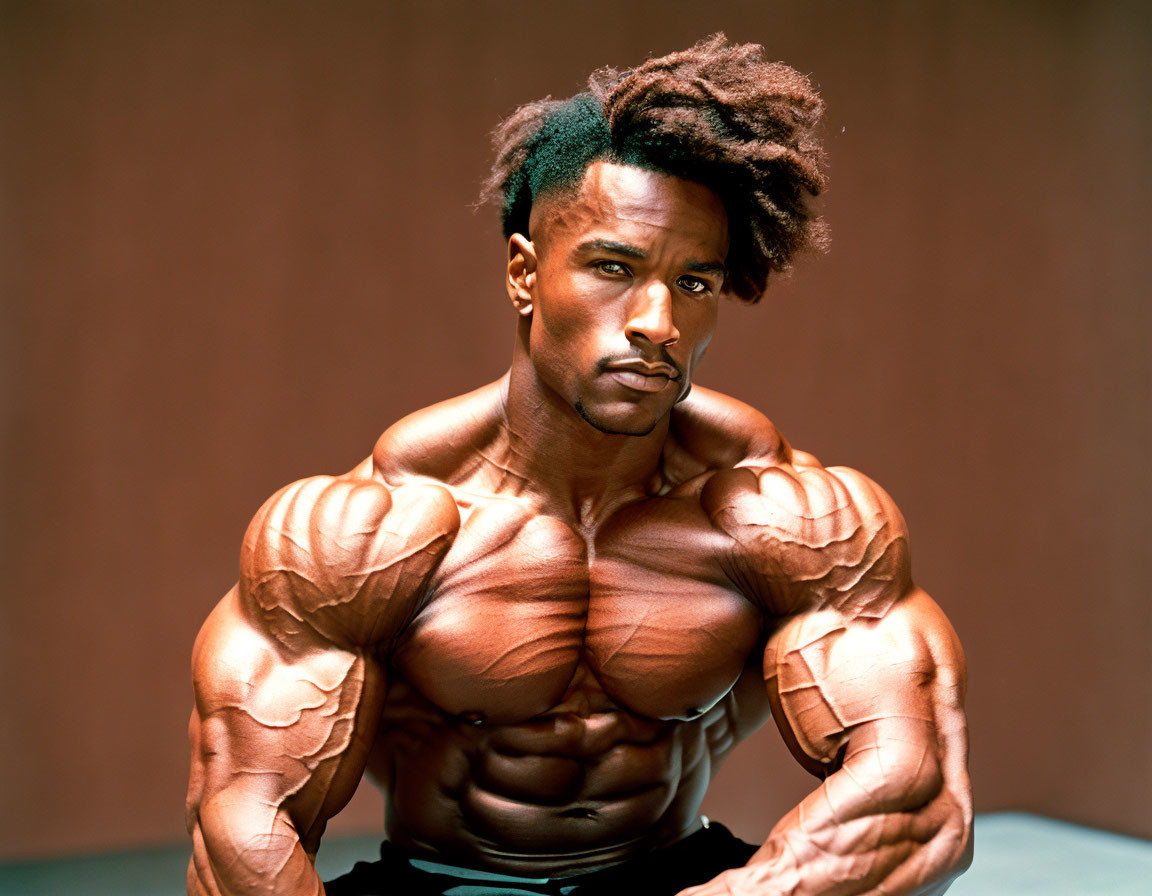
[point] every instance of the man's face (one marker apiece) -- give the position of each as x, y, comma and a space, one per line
628, 275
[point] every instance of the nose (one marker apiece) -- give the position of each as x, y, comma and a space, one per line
651, 316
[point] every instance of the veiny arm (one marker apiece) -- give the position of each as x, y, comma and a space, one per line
866, 680
288, 675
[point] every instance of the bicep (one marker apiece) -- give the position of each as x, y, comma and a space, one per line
277, 732
875, 707
890, 689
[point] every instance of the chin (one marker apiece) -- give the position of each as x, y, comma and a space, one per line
628, 423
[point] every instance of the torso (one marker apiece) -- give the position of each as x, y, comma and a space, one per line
563, 695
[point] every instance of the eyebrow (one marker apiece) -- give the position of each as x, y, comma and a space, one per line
629, 251
706, 267
625, 249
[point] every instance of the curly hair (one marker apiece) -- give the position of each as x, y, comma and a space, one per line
717, 114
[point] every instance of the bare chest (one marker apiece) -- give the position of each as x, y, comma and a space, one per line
522, 601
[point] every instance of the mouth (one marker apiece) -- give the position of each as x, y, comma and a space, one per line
643, 376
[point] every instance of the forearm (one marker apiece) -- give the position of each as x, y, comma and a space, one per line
241, 848
890, 821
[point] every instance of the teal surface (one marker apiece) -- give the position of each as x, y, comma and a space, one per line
1016, 855
1026, 855
150, 872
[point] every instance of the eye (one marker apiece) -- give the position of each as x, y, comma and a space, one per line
612, 268
693, 285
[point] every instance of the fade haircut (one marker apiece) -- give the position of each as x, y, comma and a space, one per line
716, 114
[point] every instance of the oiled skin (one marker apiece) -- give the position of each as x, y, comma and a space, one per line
543, 661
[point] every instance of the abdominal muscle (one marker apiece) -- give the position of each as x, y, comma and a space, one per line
583, 785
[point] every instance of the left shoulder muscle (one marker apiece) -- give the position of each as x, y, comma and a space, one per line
811, 538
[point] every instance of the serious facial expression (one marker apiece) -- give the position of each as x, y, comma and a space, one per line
628, 275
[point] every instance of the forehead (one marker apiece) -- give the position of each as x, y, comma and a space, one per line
635, 205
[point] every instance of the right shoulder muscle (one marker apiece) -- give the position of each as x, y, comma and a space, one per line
346, 557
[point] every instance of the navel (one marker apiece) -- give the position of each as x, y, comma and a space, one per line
580, 812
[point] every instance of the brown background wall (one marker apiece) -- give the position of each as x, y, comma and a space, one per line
236, 243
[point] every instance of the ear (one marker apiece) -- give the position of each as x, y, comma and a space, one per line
521, 273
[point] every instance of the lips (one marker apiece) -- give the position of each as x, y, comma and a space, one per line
638, 381
642, 375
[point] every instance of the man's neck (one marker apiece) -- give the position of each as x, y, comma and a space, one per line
573, 467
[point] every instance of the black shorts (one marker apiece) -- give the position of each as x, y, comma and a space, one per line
694, 860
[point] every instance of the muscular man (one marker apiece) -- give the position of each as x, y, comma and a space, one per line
541, 615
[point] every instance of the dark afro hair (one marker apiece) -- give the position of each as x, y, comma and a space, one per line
716, 114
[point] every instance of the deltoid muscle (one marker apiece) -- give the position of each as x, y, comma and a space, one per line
288, 686
818, 538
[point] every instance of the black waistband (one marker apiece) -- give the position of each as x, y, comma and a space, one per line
693, 860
